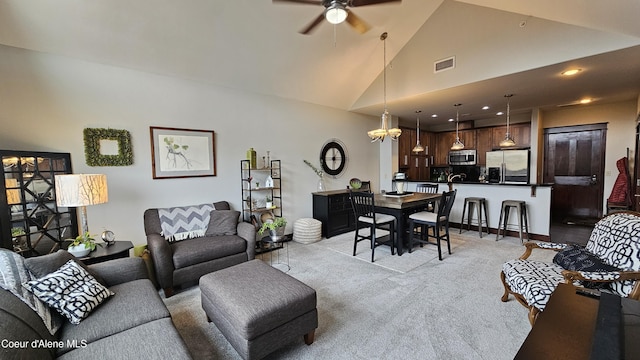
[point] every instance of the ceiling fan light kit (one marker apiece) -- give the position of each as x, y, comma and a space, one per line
337, 12
384, 131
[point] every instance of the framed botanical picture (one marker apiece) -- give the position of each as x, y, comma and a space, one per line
178, 153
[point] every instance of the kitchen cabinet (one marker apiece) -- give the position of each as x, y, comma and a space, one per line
484, 143
444, 140
406, 142
521, 134
420, 168
420, 164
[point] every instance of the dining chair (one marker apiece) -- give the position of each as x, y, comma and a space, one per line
366, 217
429, 189
436, 220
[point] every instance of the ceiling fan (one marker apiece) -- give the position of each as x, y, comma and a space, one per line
336, 11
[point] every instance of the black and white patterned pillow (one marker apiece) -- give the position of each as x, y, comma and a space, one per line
71, 290
12, 274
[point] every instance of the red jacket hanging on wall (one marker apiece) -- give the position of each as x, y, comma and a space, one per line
620, 193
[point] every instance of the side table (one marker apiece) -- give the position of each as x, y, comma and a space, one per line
120, 249
276, 246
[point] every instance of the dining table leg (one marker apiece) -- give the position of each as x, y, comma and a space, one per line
400, 226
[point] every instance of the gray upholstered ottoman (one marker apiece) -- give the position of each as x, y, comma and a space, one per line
258, 308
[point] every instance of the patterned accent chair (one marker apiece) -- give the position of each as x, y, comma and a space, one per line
614, 245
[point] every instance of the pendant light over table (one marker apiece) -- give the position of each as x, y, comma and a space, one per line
383, 131
508, 140
418, 148
457, 145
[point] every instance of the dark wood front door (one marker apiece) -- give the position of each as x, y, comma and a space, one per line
574, 162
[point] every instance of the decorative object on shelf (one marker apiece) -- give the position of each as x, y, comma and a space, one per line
180, 153
96, 141
457, 145
251, 156
275, 226
268, 202
108, 237
333, 158
82, 245
383, 131
355, 183
508, 140
80, 190
269, 182
418, 148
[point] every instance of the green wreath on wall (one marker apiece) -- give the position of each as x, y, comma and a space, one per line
92, 153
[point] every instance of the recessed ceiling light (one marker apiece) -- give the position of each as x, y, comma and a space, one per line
499, 113
434, 115
571, 72
451, 119
486, 107
585, 101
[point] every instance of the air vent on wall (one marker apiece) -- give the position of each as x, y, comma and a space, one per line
444, 64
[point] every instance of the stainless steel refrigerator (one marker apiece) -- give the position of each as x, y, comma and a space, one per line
508, 166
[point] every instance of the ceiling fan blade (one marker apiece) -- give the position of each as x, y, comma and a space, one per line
358, 24
355, 3
312, 25
308, 2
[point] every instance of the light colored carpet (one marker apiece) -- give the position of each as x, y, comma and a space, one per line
408, 307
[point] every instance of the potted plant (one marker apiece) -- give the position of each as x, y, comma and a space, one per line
275, 226
82, 245
19, 243
268, 202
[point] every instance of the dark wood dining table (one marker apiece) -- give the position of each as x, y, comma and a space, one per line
401, 207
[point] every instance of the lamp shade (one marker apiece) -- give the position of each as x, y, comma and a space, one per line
81, 189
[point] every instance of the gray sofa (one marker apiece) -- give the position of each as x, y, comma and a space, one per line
132, 324
184, 262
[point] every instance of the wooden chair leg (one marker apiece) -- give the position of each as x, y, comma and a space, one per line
355, 240
411, 234
309, 337
505, 296
533, 314
373, 242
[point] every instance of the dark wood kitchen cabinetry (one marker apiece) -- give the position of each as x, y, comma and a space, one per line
484, 143
334, 210
520, 133
444, 140
406, 142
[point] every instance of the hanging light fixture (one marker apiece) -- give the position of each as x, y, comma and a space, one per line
335, 13
418, 148
457, 145
383, 131
507, 141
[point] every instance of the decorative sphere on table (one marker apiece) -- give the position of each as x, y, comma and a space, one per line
108, 237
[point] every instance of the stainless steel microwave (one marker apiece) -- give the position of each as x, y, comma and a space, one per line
463, 157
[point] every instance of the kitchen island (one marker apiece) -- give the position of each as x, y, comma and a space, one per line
537, 197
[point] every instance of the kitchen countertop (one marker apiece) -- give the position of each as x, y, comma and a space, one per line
475, 183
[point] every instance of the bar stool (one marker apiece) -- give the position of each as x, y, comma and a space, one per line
480, 204
521, 208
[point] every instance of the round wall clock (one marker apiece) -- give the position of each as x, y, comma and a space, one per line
333, 158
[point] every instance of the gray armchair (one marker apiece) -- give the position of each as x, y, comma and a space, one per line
226, 243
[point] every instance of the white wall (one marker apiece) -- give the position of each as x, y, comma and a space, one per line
621, 121
46, 101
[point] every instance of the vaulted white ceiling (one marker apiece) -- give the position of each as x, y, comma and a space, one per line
516, 46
